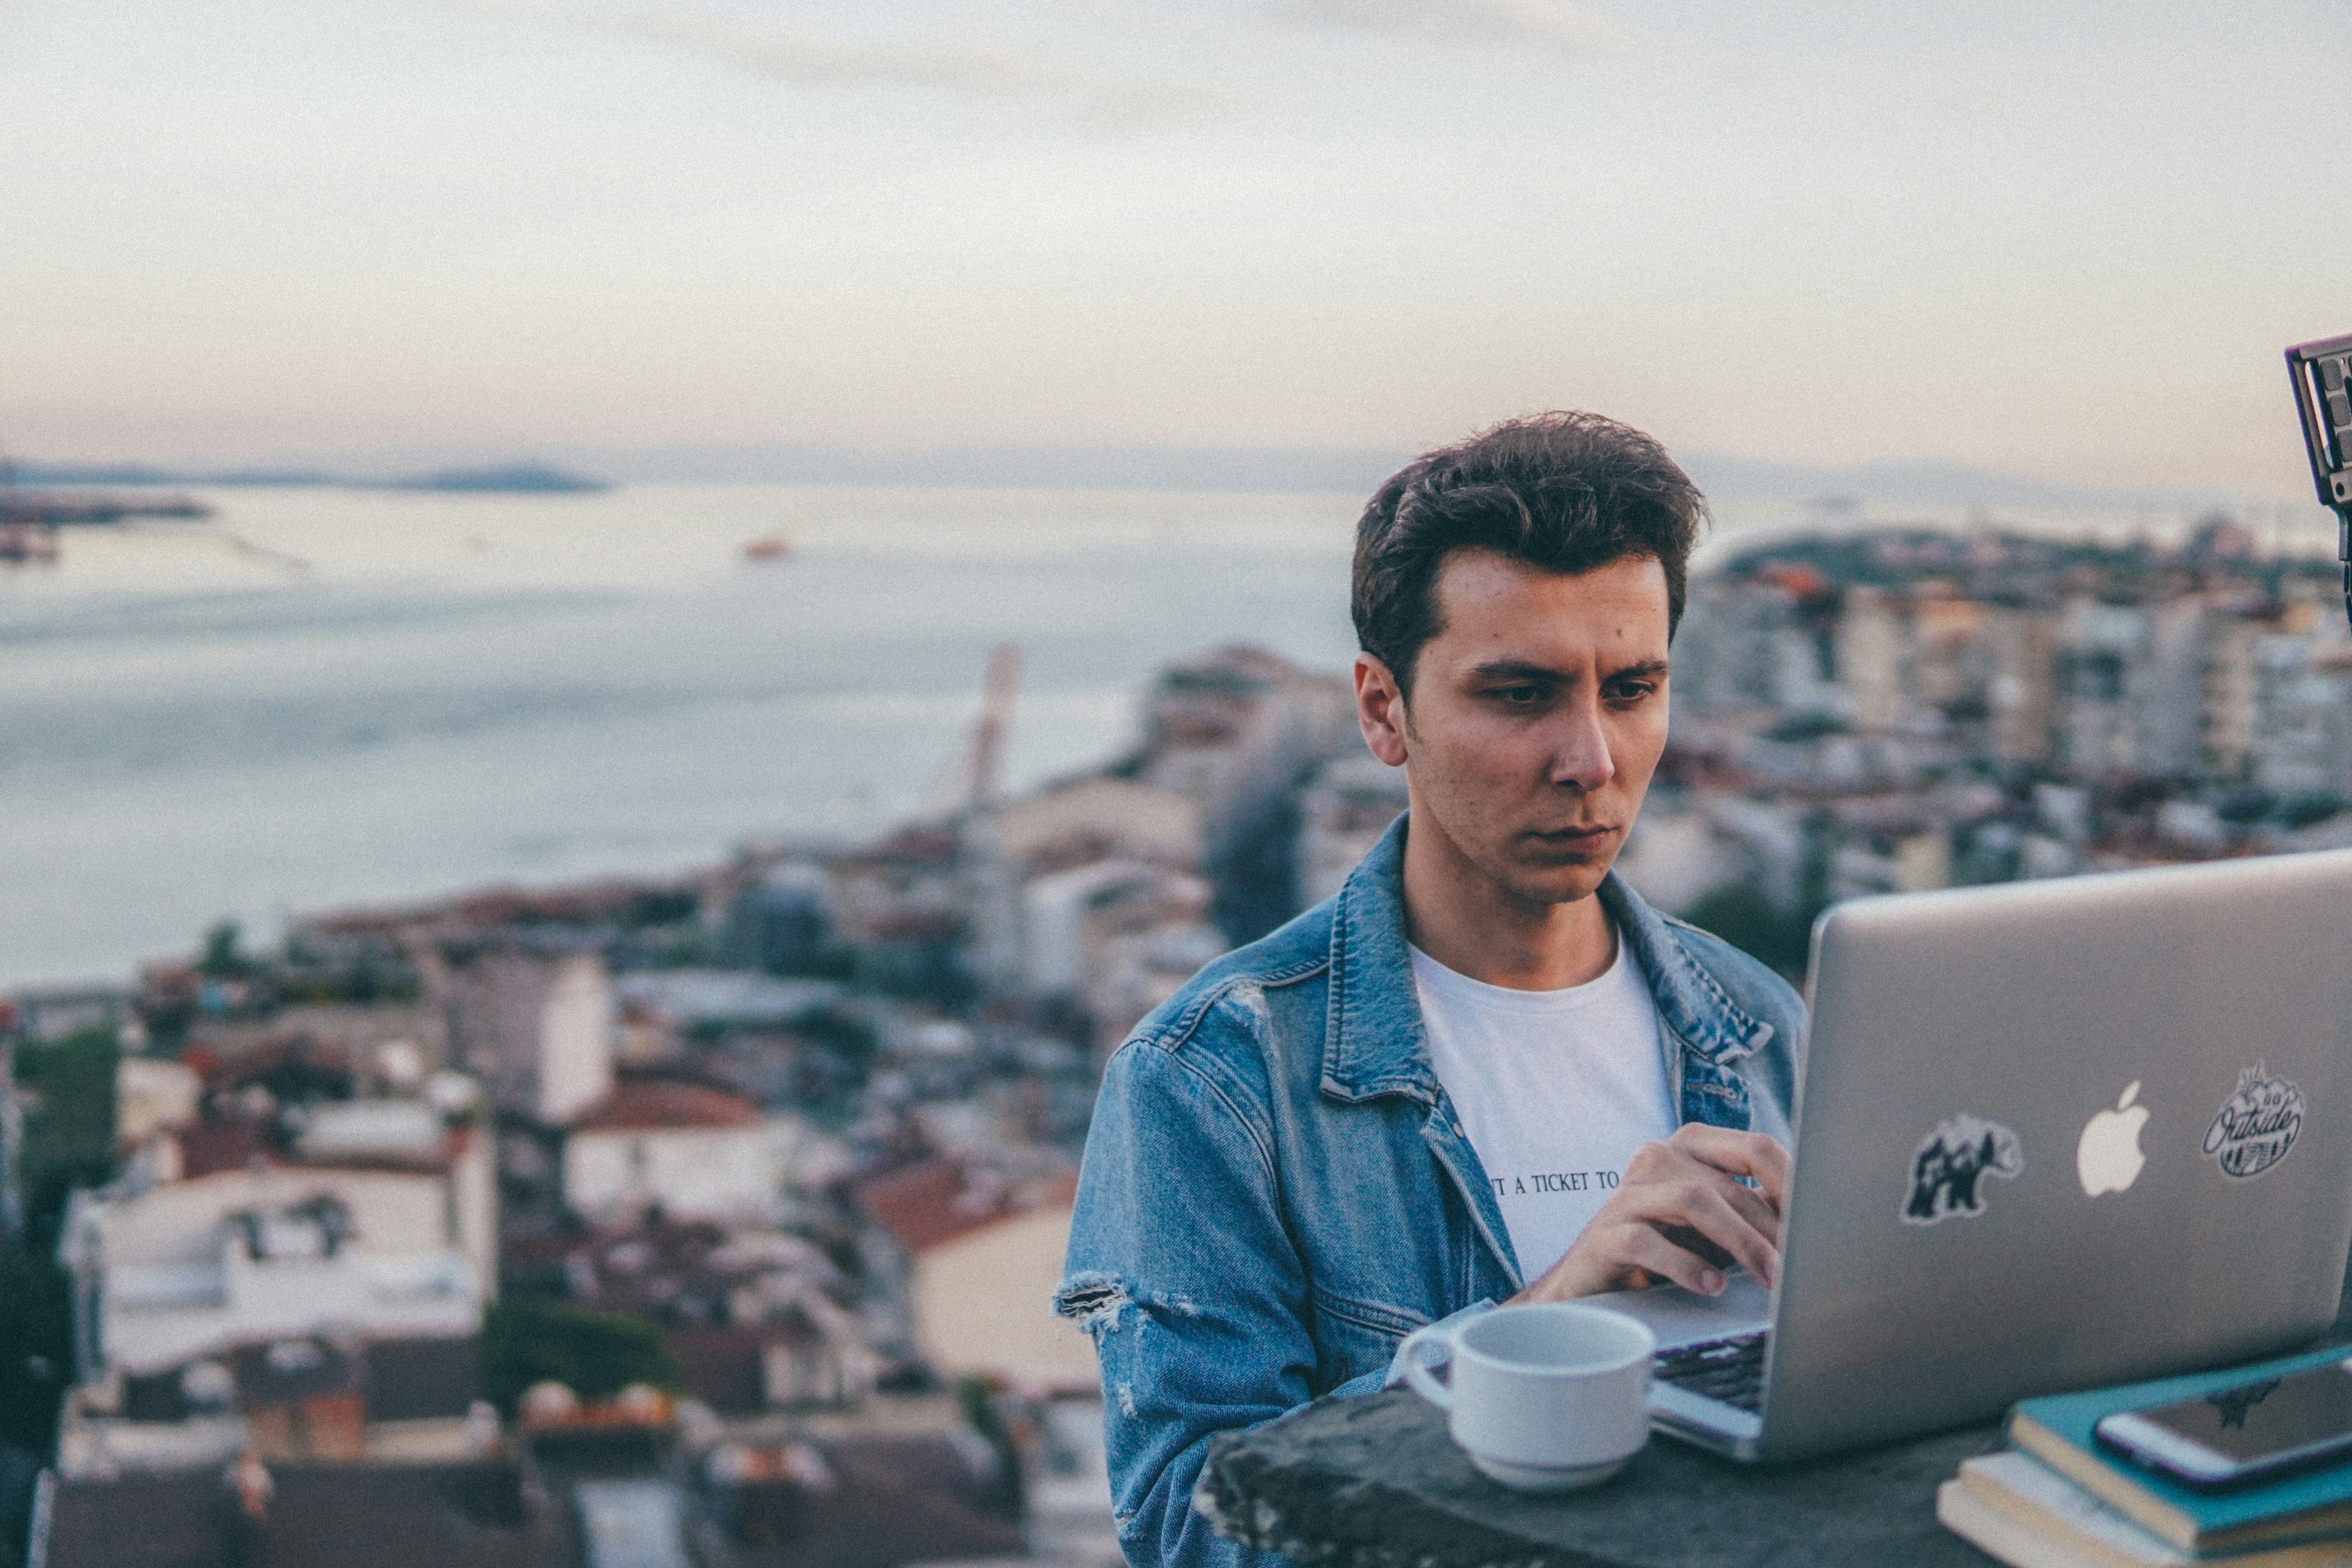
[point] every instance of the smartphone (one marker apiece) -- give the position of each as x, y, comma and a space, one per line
2244, 1434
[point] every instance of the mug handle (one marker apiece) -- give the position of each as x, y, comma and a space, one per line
1416, 1369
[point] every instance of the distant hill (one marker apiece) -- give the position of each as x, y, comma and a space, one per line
512, 478
96, 474
519, 479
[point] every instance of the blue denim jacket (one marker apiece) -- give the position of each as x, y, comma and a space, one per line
1276, 1189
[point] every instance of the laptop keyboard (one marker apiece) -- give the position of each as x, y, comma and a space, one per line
1730, 1370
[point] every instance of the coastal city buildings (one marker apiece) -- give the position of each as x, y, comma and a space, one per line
1901, 710
725, 1209
316, 1265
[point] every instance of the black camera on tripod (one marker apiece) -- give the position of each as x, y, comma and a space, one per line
2321, 373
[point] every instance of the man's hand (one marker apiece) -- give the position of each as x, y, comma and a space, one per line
1680, 1214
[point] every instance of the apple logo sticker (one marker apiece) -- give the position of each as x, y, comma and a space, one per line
1949, 1169
2107, 1159
2257, 1125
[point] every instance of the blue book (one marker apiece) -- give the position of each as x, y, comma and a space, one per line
2309, 1505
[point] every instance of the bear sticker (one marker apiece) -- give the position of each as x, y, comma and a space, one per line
2257, 1125
1948, 1172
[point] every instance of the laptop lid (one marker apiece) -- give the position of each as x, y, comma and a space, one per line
2062, 1133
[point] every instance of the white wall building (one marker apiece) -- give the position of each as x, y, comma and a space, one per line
700, 1153
537, 1027
384, 1225
984, 1247
1235, 729
1143, 819
1054, 909
1094, 817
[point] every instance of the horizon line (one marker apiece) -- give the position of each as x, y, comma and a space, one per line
1104, 467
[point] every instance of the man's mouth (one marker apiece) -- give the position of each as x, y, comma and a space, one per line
1573, 837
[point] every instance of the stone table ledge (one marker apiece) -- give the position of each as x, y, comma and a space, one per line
1376, 1482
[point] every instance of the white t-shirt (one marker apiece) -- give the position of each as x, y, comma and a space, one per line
1554, 1089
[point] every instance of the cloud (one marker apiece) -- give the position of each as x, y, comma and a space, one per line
1562, 25
1054, 84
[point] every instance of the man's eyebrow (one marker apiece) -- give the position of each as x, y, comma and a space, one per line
1515, 670
1519, 670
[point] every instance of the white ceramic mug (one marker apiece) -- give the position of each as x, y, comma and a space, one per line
1544, 1398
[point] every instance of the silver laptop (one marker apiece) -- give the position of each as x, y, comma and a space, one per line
2051, 1135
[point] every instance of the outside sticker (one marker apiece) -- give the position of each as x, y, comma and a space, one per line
2257, 1125
1948, 1173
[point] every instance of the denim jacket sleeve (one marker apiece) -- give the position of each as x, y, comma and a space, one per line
1182, 1270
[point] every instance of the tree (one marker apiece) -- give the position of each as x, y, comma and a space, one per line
1741, 915
36, 1352
527, 1339
2310, 810
69, 1127
69, 1143
222, 960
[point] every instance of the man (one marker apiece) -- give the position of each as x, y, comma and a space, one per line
1484, 1071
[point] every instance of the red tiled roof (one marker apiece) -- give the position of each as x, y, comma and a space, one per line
939, 1201
660, 1106
212, 1146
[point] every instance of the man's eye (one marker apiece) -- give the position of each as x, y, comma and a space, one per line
1518, 696
1630, 694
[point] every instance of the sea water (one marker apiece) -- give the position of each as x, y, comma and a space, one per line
323, 697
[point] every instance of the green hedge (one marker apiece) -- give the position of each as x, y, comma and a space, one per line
69, 1130
529, 1339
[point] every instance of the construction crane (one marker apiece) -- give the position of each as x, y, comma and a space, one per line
968, 778
988, 735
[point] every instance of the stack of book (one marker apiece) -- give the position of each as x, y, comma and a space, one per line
2059, 1499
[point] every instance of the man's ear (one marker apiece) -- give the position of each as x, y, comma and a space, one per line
1379, 710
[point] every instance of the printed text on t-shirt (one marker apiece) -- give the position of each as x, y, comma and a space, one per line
1555, 1181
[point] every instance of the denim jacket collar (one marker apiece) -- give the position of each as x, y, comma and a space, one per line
1374, 1043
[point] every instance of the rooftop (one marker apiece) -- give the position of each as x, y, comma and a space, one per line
354, 1515
941, 1201
657, 1106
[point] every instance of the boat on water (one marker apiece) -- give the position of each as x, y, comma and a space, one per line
771, 548
23, 542
55, 508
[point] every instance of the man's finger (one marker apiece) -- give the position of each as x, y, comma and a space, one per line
1653, 1199
1752, 1206
1696, 1205
1751, 1155
1647, 1249
1652, 1160
1711, 1215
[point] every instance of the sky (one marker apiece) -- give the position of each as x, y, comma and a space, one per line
2060, 241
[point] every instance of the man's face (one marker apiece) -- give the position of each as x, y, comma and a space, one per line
1537, 718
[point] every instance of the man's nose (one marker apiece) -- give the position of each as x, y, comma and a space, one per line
1581, 749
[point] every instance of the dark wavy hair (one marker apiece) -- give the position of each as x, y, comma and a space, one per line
1564, 491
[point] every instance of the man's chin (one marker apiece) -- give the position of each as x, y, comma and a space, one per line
1557, 884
